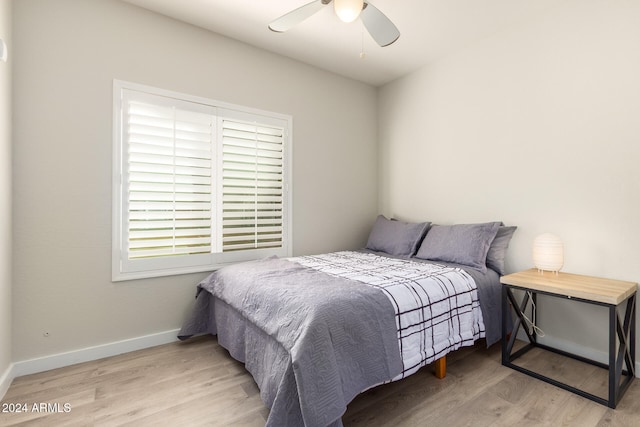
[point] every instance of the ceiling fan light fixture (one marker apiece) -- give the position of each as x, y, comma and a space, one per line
348, 10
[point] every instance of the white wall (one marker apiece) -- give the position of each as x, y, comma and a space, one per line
5, 198
66, 55
539, 127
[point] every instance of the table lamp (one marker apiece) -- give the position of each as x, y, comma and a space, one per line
548, 252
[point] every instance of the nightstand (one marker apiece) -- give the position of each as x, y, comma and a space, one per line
616, 295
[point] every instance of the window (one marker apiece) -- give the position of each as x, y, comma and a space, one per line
197, 183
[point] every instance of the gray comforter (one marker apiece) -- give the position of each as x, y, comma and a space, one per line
310, 352
319, 350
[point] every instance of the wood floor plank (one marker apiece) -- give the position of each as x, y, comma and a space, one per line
423, 401
578, 411
197, 383
584, 376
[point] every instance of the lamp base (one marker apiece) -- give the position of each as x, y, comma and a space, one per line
541, 271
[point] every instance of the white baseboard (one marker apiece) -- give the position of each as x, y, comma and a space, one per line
574, 348
5, 379
60, 360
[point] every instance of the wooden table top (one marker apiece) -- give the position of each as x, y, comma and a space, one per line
607, 291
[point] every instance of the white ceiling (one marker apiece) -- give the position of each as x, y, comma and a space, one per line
430, 29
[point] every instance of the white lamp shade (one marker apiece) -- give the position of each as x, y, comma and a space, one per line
348, 10
548, 252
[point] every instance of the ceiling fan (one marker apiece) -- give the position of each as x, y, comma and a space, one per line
383, 31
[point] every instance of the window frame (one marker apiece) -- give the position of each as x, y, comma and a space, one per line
124, 269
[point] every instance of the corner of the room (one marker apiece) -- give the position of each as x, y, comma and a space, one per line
5, 198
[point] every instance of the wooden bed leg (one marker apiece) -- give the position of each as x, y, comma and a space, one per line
441, 367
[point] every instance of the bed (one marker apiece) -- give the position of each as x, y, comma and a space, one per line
315, 331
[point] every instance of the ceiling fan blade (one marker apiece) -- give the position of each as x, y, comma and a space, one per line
296, 16
383, 31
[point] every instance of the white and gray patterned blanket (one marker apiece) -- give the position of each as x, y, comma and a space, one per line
436, 307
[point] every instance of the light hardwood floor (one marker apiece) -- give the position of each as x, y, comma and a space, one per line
197, 383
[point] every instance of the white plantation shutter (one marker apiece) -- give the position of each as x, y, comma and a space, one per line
195, 186
252, 186
169, 179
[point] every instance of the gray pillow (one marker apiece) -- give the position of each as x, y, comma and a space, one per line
465, 244
396, 237
498, 249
